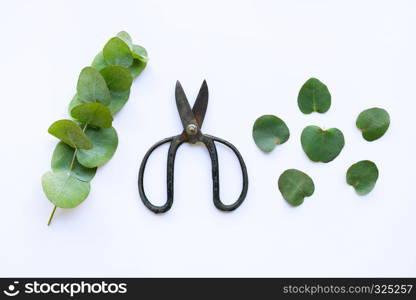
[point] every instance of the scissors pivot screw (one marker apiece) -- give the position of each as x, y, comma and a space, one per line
191, 129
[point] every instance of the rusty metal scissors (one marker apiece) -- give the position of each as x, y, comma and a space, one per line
192, 120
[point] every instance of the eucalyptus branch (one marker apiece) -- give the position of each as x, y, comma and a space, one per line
102, 90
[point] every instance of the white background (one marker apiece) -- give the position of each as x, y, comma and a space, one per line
255, 56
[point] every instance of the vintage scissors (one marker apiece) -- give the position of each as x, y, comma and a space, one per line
192, 120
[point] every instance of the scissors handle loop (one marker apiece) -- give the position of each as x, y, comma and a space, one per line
175, 142
208, 140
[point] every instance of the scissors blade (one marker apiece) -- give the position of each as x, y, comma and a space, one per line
185, 112
200, 106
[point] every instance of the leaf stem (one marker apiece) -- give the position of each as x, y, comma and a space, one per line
71, 166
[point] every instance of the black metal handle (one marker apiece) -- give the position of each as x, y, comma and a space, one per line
208, 140
174, 145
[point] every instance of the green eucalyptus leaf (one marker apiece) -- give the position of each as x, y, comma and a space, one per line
104, 142
74, 102
362, 176
269, 131
373, 123
117, 78
314, 96
140, 53
99, 62
137, 67
63, 160
117, 52
64, 190
295, 186
126, 38
91, 87
118, 100
70, 133
94, 114
322, 145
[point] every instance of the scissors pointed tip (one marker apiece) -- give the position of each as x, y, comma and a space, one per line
201, 103
185, 111
179, 92
204, 86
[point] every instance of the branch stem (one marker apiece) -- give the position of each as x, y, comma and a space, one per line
71, 166
52, 214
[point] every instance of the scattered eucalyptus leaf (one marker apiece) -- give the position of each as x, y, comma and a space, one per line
117, 52
314, 96
362, 176
117, 78
295, 186
140, 53
91, 87
63, 190
70, 133
118, 100
99, 62
322, 145
94, 114
137, 67
104, 142
269, 131
373, 123
64, 160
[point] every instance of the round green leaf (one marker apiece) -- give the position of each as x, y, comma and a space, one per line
140, 53
295, 186
126, 38
137, 67
91, 87
64, 191
62, 158
118, 100
117, 78
117, 52
322, 145
269, 131
70, 133
99, 62
362, 176
74, 102
314, 96
94, 114
373, 123
104, 142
